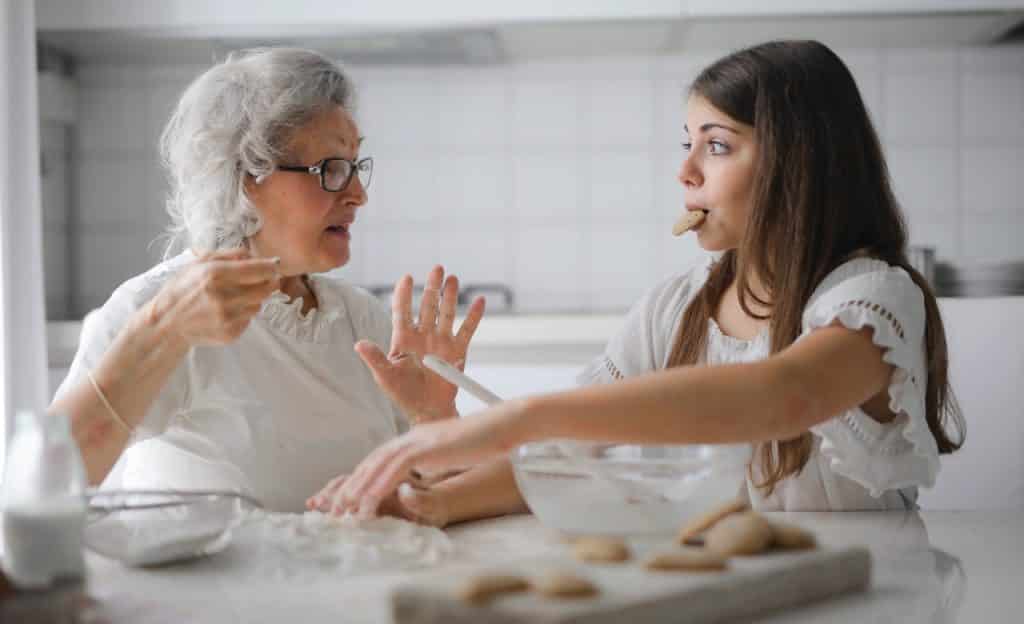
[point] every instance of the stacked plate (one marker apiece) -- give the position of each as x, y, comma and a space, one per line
996, 279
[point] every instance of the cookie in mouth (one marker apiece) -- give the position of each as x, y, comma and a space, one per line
688, 221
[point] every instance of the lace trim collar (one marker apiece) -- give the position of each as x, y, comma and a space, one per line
286, 315
715, 332
736, 344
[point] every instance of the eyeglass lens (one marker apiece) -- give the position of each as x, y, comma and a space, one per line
336, 173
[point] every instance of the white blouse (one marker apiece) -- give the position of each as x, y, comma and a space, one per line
856, 463
277, 413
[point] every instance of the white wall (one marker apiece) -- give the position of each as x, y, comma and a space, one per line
57, 225
558, 177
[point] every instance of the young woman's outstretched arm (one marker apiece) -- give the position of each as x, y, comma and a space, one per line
827, 372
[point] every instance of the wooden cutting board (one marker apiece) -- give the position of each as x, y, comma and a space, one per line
630, 593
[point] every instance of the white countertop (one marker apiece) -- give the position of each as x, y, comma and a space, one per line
543, 338
927, 567
506, 339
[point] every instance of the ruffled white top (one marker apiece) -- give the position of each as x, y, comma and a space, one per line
857, 463
278, 413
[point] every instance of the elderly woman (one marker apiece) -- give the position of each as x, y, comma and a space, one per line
234, 364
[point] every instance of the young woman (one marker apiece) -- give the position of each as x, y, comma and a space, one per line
808, 336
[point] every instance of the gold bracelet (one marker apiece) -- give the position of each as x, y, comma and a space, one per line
103, 399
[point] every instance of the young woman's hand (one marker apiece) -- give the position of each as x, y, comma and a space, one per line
429, 447
415, 500
213, 300
423, 394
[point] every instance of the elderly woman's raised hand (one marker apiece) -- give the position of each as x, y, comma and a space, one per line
213, 300
424, 395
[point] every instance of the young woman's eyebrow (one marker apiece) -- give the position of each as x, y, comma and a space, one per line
709, 126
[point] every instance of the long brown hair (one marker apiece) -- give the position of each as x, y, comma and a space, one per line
821, 196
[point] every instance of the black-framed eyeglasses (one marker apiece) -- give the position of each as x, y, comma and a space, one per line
336, 173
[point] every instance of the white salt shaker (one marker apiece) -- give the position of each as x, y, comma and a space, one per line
43, 502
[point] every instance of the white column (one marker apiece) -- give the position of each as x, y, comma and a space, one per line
22, 316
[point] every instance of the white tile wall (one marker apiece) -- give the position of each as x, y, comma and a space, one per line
54, 187
620, 185
546, 114
669, 200
670, 111
620, 263
558, 178
925, 181
991, 106
920, 108
107, 258
993, 238
477, 254
475, 188
54, 184
992, 180
404, 189
618, 112
866, 67
112, 118
116, 189
400, 108
55, 272
549, 269
675, 254
391, 252
473, 108
548, 186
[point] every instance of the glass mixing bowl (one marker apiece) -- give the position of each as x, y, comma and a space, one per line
622, 489
156, 527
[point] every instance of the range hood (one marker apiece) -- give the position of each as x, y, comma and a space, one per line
190, 31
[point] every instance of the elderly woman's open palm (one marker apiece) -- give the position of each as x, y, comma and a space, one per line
424, 395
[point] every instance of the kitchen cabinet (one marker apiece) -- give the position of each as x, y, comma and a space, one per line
281, 18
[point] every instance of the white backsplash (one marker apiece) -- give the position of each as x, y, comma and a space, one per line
557, 178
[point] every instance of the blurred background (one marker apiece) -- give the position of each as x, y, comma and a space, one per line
531, 149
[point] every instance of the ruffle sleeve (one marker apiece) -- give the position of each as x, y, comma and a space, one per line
901, 453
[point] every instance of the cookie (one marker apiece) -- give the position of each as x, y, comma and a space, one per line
600, 550
791, 537
564, 585
707, 520
481, 589
739, 534
689, 220
686, 559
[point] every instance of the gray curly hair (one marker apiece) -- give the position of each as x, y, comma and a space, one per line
234, 120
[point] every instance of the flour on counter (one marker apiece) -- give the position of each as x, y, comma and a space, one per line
314, 541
